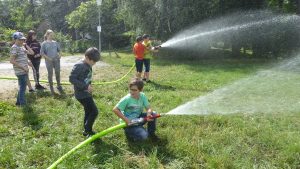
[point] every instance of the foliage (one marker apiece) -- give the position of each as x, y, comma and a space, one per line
37, 135
162, 19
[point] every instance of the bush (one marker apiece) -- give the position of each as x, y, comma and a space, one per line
5, 41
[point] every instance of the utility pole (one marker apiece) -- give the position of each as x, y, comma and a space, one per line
99, 2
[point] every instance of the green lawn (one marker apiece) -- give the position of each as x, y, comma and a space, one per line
37, 135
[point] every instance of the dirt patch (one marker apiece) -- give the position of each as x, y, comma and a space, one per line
9, 88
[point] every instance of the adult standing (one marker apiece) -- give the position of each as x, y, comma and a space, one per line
35, 59
50, 50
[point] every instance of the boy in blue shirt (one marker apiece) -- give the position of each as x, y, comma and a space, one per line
132, 106
81, 78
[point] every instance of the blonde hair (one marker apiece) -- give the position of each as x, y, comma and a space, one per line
48, 32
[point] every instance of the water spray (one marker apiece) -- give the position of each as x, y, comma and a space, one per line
101, 134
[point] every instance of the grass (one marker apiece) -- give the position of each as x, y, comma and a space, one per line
37, 135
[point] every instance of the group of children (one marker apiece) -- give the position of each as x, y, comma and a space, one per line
142, 50
128, 108
28, 52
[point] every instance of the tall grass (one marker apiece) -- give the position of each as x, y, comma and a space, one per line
37, 135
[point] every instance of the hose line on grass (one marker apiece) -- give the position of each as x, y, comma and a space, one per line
68, 83
87, 141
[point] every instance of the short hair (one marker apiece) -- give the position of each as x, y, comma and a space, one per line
137, 82
93, 54
139, 38
145, 36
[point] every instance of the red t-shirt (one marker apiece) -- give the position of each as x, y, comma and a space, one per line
139, 50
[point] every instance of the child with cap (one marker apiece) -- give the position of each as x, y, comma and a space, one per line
18, 57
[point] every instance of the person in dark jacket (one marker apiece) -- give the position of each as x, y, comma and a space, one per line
81, 78
35, 59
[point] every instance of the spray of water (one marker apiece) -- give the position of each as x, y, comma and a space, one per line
177, 40
248, 28
274, 90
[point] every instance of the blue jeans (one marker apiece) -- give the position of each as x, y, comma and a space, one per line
138, 132
22, 80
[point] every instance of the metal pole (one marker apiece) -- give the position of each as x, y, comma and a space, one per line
100, 29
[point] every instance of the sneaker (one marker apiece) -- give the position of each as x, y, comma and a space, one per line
88, 133
153, 137
31, 90
60, 89
144, 79
39, 87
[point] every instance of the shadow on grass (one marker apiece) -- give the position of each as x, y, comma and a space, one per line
161, 86
106, 150
30, 117
159, 147
214, 59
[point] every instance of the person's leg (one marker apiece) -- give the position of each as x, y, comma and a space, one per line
91, 113
28, 83
22, 80
36, 72
57, 75
151, 125
139, 68
49, 66
147, 69
136, 133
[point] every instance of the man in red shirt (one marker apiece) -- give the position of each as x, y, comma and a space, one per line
139, 50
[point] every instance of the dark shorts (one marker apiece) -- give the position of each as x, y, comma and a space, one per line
147, 65
139, 65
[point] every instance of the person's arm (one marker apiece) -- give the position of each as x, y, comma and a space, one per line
13, 61
58, 50
147, 106
28, 49
117, 111
37, 55
73, 78
29, 63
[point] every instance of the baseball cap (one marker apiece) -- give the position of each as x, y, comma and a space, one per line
18, 35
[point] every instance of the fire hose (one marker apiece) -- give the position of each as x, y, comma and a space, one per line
101, 134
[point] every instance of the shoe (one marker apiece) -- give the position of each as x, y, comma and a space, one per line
148, 81
153, 137
88, 133
144, 79
31, 90
39, 87
60, 89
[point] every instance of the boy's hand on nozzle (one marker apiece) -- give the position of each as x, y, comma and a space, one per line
149, 117
128, 122
157, 47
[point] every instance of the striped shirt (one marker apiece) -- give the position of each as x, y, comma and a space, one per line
19, 52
